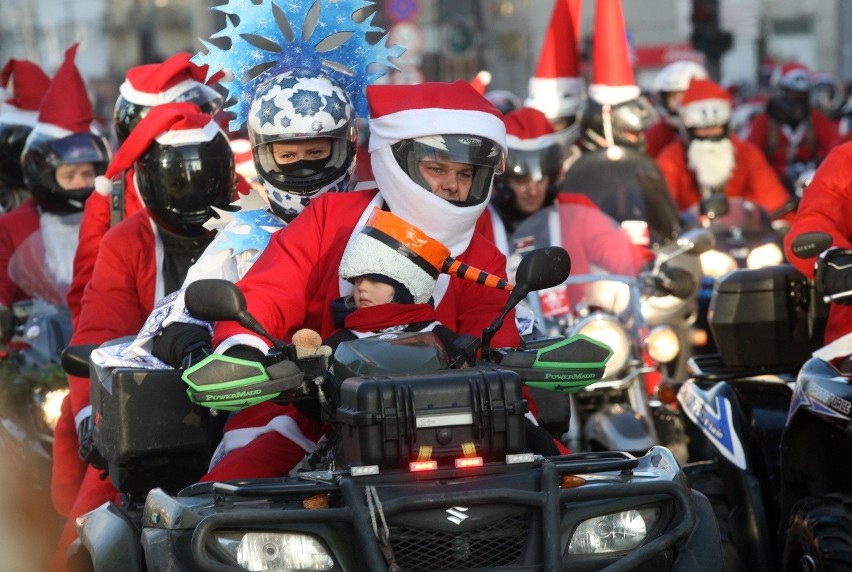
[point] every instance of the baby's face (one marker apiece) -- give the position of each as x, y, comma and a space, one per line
371, 293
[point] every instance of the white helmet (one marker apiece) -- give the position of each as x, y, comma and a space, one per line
677, 75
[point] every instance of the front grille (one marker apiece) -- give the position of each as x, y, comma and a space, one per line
497, 544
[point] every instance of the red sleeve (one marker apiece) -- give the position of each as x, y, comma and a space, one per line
672, 163
758, 131
113, 305
277, 303
15, 226
826, 206
657, 137
93, 226
763, 186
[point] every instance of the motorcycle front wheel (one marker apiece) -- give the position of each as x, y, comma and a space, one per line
819, 535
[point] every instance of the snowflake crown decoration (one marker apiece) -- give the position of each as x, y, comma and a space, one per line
275, 36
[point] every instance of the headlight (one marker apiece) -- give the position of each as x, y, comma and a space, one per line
51, 405
614, 532
609, 331
715, 263
612, 295
662, 343
765, 255
278, 551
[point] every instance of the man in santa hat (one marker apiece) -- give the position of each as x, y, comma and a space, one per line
791, 133
59, 161
24, 84
434, 149
714, 160
183, 167
144, 87
669, 86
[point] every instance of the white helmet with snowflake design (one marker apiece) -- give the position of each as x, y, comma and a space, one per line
292, 108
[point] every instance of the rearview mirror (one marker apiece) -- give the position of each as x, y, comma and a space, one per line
215, 300
715, 205
696, 241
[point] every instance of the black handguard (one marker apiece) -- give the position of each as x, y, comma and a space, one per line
88, 452
181, 344
249, 353
834, 273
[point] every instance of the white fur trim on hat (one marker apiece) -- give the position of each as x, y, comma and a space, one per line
185, 136
133, 95
366, 255
413, 123
556, 96
12, 115
613, 94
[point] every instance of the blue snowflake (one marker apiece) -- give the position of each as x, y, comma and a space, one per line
267, 111
306, 103
261, 223
260, 48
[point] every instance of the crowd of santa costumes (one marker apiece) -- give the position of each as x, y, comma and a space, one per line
129, 214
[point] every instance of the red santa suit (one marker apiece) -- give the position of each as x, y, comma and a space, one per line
97, 216
815, 139
826, 206
752, 177
315, 240
15, 227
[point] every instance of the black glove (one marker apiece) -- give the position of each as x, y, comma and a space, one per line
834, 273
182, 344
85, 437
245, 352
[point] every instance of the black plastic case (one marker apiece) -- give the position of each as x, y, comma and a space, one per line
149, 431
386, 420
766, 317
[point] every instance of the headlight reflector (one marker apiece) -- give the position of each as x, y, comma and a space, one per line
608, 330
614, 532
765, 255
715, 263
276, 551
662, 343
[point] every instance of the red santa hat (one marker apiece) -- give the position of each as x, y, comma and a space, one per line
399, 112
24, 84
794, 76
390, 247
613, 81
155, 84
528, 129
65, 108
557, 86
243, 158
171, 124
481, 81
705, 104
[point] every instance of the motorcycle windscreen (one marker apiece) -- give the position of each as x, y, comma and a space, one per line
388, 354
629, 187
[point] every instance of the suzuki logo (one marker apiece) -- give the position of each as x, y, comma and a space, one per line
457, 514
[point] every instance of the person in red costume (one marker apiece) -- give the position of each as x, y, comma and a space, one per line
144, 87
826, 206
183, 167
434, 149
714, 160
789, 132
670, 85
23, 84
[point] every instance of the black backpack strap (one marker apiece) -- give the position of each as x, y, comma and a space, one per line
116, 201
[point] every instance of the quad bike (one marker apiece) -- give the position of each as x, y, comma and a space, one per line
766, 431
425, 467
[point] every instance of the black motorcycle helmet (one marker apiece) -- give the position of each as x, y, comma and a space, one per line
43, 155
790, 103
626, 122
484, 154
127, 114
179, 184
12, 139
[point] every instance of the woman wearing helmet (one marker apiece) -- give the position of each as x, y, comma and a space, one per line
302, 129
